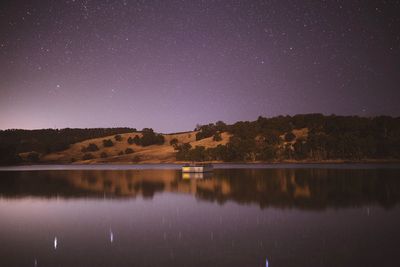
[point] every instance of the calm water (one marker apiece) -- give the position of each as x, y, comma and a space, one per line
295, 215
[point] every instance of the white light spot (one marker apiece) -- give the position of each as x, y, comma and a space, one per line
55, 242
111, 236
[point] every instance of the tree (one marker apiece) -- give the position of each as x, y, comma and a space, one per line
216, 153
301, 149
136, 140
118, 138
205, 131
129, 150
289, 137
268, 153
8, 154
197, 154
91, 148
174, 143
130, 140
183, 151
107, 143
150, 138
217, 137
221, 126
88, 156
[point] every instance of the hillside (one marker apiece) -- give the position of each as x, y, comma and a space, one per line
164, 153
299, 138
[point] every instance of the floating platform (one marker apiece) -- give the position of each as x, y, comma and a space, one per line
197, 168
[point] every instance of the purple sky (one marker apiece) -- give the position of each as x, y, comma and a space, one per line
172, 64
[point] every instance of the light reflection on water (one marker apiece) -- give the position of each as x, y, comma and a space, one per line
241, 217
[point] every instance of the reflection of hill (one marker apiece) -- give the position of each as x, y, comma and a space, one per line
282, 188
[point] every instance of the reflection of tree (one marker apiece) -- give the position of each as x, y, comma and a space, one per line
148, 189
282, 188
309, 188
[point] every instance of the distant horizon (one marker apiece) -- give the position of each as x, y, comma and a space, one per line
139, 128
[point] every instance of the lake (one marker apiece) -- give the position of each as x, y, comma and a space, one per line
239, 215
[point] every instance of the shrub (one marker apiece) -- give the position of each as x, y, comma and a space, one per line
217, 137
91, 148
136, 140
103, 155
289, 137
88, 156
183, 151
129, 151
118, 138
107, 143
174, 142
130, 141
120, 153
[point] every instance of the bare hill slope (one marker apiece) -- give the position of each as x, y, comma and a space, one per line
117, 153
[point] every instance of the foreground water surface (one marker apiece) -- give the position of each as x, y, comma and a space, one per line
302, 215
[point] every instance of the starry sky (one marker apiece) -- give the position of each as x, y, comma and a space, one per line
171, 64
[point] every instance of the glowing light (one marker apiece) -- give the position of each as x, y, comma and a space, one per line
55, 242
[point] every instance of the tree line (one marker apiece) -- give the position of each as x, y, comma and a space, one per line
265, 139
273, 139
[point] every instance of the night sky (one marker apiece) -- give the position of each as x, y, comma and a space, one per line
172, 64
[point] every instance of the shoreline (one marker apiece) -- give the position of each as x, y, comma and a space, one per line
284, 162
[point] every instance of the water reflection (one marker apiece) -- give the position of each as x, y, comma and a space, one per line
161, 218
281, 188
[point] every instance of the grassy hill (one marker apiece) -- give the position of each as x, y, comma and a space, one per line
164, 153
